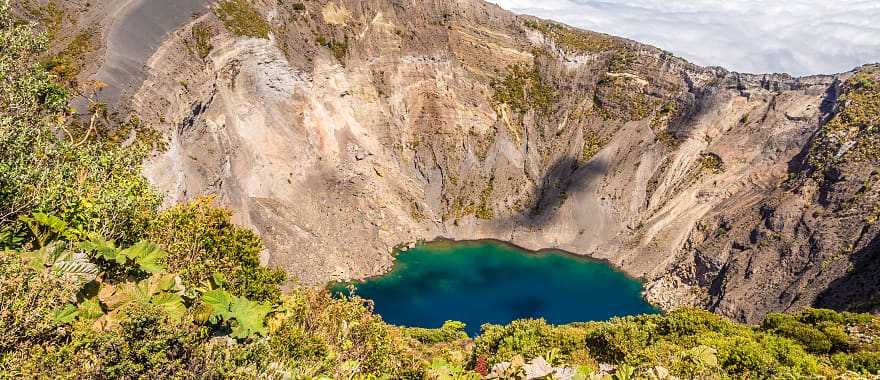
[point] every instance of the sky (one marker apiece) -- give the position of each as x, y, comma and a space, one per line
799, 37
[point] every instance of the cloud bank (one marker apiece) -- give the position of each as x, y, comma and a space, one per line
799, 37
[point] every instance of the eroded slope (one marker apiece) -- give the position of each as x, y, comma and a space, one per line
352, 126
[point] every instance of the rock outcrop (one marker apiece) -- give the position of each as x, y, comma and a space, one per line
352, 126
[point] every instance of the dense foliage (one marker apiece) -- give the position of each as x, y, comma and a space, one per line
52, 164
202, 241
97, 282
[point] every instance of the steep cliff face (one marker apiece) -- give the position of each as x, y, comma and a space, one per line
813, 239
339, 129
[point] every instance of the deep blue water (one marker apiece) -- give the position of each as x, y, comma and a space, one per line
490, 282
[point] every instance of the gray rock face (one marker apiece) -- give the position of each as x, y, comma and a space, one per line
362, 124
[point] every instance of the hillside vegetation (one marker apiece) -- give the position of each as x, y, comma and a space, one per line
97, 282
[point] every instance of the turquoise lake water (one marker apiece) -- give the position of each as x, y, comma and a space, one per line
491, 282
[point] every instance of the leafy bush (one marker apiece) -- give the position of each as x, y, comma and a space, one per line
617, 341
820, 331
49, 164
201, 40
28, 298
528, 338
574, 40
866, 362
202, 241
451, 331
523, 89
711, 162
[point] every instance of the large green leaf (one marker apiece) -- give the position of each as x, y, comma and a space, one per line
250, 316
139, 292
45, 228
172, 304
65, 315
220, 302
77, 266
46, 255
63, 262
147, 255
104, 249
90, 308
53, 223
159, 289
113, 297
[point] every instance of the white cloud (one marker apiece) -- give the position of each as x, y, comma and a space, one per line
795, 36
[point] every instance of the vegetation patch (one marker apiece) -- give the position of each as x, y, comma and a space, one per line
621, 61
593, 143
461, 206
484, 210
691, 343
339, 49
201, 40
68, 64
711, 163
240, 18
667, 138
523, 89
853, 135
451, 331
573, 40
201, 240
661, 122
51, 16
621, 98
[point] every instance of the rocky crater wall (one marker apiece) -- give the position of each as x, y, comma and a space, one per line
339, 129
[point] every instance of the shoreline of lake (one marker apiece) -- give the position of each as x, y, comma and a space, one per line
490, 281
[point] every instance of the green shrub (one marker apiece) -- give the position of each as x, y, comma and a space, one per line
451, 331
617, 341
572, 39
50, 164
622, 98
852, 134
866, 362
201, 39
711, 162
523, 89
746, 358
339, 49
144, 345
528, 338
28, 300
693, 322
202, 241
788, 326
791, 357
593, 144
240, 18
818, 330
